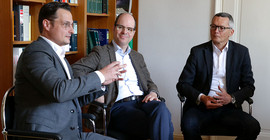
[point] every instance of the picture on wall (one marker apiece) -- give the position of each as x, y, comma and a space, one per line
123, 6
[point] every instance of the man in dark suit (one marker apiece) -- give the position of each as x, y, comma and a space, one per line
216, 80
47, 96
133, 103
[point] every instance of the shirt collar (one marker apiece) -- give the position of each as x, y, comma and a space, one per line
119, 50
60, 50
218, 51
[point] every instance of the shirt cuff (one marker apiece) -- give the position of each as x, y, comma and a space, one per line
199, 99
101, 76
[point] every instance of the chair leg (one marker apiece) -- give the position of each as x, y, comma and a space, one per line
250, 109
94, 125
104, 122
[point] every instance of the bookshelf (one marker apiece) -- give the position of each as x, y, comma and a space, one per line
79, 12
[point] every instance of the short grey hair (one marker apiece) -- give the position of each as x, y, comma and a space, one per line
223, 14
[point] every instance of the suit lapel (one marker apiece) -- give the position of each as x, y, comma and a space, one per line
111, 53
112, 56
137, 68
56, 56
69, 68
229, 63
208, 53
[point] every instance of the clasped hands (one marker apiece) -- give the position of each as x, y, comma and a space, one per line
214, 102
112, 72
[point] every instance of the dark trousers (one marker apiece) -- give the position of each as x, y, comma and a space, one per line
142, 120
198, 120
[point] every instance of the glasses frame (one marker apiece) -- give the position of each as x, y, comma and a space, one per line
120, 27
220, 28
66, 25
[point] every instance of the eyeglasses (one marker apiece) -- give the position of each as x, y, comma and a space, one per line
121, 28
67, 25
220, 28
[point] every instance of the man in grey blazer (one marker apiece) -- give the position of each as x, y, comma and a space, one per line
216, 80
134, 105
47, 96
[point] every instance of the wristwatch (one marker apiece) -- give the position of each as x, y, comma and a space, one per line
233, 99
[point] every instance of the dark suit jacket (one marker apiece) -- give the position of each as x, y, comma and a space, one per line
101, 56
45, 99
196, 76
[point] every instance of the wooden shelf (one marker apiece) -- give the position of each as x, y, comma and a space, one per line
100, 15
21, 42
73, 4
71, 52
36, 1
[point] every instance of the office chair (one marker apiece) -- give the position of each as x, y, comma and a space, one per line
218, 131
100, 109
7, 117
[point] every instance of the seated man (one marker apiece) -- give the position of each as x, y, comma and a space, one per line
133, 103
216, 80
47, 96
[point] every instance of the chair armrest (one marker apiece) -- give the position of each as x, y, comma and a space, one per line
249, 100
103, 105
33, 134
89, 116
181, 98
162, 99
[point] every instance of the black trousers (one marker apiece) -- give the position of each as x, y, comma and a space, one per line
197, 120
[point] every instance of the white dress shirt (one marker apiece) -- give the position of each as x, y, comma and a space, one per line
219, 71
129, 85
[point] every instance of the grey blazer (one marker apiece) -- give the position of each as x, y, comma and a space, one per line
45, 99
104, 55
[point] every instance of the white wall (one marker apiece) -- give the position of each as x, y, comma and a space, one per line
255, 28
166, 32
169, 28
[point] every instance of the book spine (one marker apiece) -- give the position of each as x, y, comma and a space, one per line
73, 38
21, 23
16, 22
25, 23
105, 6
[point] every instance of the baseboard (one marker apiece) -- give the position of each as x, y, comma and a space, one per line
264, 135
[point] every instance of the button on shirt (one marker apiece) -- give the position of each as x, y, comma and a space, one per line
129, 85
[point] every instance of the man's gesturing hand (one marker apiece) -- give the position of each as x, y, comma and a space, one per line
112, 71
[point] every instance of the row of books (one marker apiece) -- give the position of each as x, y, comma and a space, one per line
97, 6
22, 23
96, 37
68, 1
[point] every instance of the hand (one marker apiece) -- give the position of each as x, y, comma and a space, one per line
150, 97
210, 102
223, 97
112, 71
